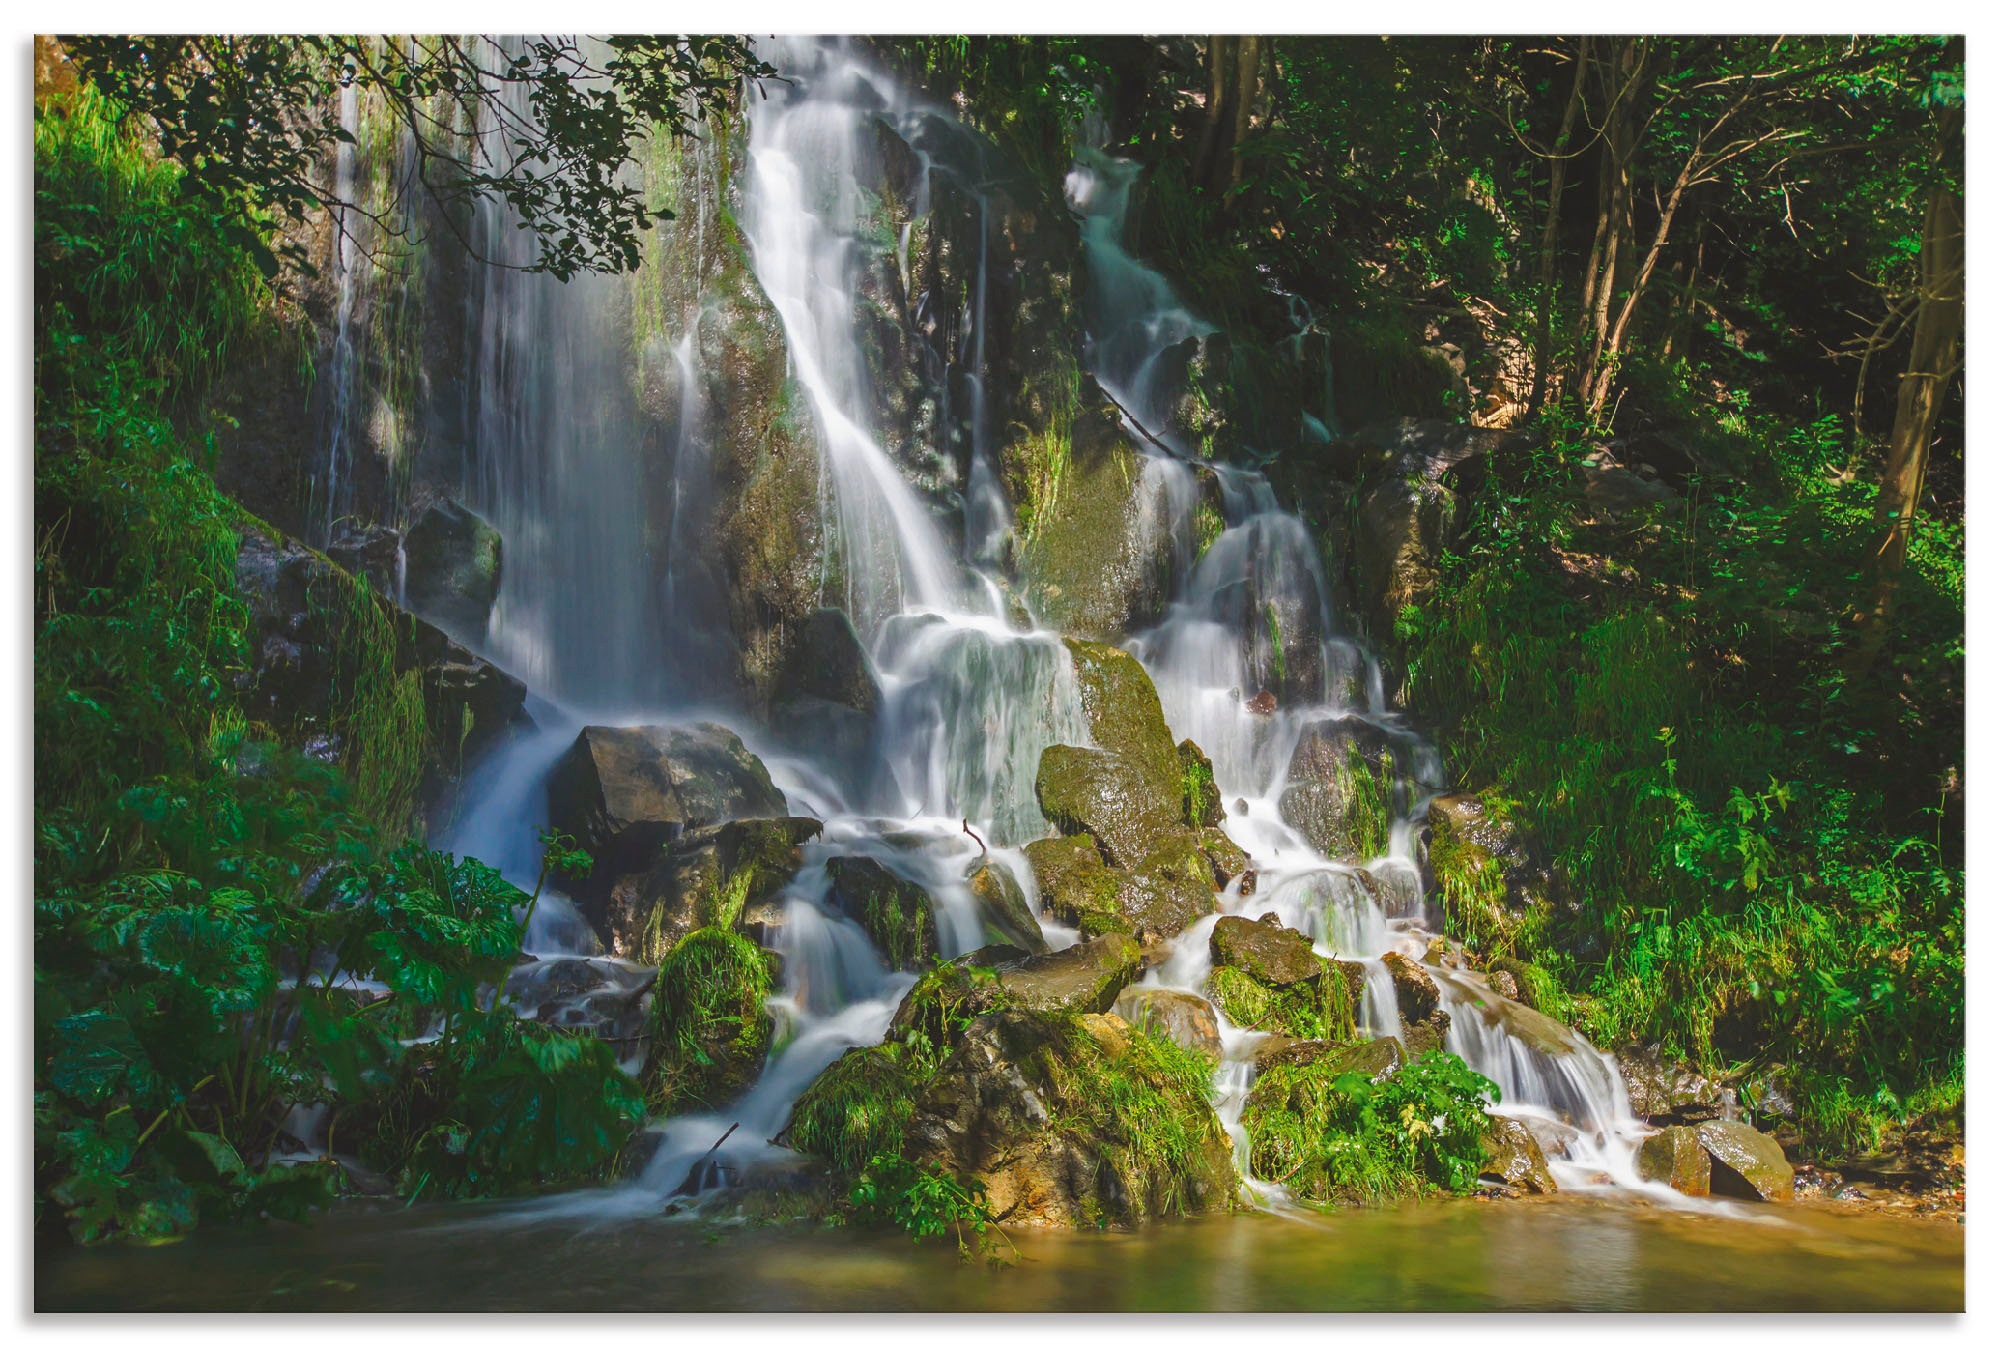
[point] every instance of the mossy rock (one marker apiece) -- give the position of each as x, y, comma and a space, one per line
1495, 896
452, 567
947, 998
1004, 914
723, 874
1675, 1156
1512, 1157
1268, 951
1201, 800
1083, 979
1099, 561
711, 1029
858, 1108
1077, 887
1076, 1121
1343, 788
1226, 860
1107, 796
895, 912
1316, 1008
1123, 711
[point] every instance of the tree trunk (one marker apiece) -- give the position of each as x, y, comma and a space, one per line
1558, 167
1624, 80
1934, 360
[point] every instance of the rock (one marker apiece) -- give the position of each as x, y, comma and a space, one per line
1416, 993
723, 874
1341, 787
827, 661
895, 912
1099, 560
1201, 802
1077, 887
1123, 711
1407, 513
1003, 908
1611, 490
310, 624
1665, 1095
1748, 1164
1513, 1157
1271, 953
624, 793
1226, 860
603, 997
1675, 1157
1167, 890
1182, 1016
1027, 1105
1107, 797
1083, 979
368, 551
1376, 1059
451, 560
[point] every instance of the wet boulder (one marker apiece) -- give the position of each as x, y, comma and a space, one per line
1484, 868
368, 550
1170, 888
1083, 979
1675, 1157
625, 792
1342, 787
607, 998
1201, 801
1418, 1002
1099, 553
894, 911
1665, 1094
1123, 710
1376, 1058
1077, 887
1747, 1164
1107, 797
451, 567
1073, 1121
1267, 977
721, 874
1004, 914
1182, 1016
826, 697
1511, 1156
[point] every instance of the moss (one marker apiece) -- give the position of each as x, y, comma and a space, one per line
1076, 885
1317, 1008
1201, 801
1142, 1104
710, 1027
858, 1108
377, 712
935, 1012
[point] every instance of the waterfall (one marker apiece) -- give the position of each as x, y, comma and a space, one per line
612, 622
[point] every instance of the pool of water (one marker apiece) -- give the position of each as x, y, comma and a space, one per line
1560, 1253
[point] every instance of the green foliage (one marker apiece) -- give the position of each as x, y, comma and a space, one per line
205, 897
710, 1025
859, 1109
1758, 833
927, 1201
251, 118
1336, 1136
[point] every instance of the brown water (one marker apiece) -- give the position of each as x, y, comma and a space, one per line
1562, 1253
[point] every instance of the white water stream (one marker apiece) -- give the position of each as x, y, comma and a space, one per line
970, 700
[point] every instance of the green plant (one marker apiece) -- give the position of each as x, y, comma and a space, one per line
927, 1201
710, 1024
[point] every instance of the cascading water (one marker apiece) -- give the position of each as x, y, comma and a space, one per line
601, 619
1224, 639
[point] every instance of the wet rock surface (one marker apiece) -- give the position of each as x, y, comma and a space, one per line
894, 911
1003, 908
724, 874
1341, 787
1181, 1016
1083, 979
452, 567
1747, 1163
1512, 1157
1676, 1157
1665, 1094
1267, 950
625, 792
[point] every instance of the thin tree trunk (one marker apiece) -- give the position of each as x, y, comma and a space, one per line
1934, 360
1558, 166
1605, 360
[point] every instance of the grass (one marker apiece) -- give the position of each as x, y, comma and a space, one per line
710, 1027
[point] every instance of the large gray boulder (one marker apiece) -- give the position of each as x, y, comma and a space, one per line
1747, 1164
625, 792
722, 874
1342, 787
451, 567
894, 911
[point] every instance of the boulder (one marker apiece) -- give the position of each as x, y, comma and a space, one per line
606, 998
1077, 887
711, 1027
1511, 1156
1675, 1157
1376, 1059
1267, 950
1003, 908
1182, 1016
1068, 1121
1665, 1095
1748, 1164
895, 912
1484, 869
1425, 1020
722, 874
1123, 711
1612, 491
451, 567
1083, 979
1171, 886
368, 550
1226, 860
625, 792
1105, 796
1341, 787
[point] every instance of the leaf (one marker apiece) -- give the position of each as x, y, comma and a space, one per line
97, 1051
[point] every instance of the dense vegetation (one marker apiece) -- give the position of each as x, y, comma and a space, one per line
1732, 722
